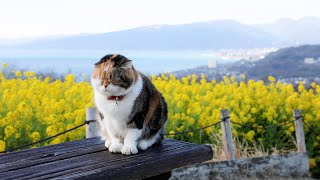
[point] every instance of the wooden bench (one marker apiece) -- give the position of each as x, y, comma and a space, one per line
89, 159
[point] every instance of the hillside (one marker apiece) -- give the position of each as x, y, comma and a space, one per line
284, 63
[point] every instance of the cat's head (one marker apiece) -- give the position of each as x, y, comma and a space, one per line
113, 75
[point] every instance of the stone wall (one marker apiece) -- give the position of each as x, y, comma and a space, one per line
293, 165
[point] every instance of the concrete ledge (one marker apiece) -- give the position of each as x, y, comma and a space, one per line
293, 165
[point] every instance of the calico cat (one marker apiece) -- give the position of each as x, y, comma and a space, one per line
132, 111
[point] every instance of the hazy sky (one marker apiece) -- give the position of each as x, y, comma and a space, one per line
34, 18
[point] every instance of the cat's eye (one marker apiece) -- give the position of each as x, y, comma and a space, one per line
116, 81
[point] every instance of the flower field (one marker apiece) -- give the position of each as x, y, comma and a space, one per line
33, 108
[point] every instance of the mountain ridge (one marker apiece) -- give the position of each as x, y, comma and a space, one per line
211, 35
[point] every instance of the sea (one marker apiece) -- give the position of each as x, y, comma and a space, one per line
82, 61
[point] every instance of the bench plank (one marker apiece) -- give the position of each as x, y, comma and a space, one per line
89, 158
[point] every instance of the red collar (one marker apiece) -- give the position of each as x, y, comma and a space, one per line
117, 98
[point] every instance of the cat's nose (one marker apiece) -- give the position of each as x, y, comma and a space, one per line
105, 85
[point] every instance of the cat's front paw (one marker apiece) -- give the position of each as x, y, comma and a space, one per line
143, 144
107, 143
115, 147
129, 149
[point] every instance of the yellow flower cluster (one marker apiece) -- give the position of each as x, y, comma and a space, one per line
194, 102
33, 108
197, 102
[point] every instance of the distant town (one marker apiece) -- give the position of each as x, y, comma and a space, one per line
238, 54
288, 65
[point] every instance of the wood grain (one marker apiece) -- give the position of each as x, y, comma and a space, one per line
298, 125
227, 134
88, 159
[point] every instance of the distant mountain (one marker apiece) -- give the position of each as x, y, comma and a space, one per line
212, 35
195, 36
288, 32
284, 63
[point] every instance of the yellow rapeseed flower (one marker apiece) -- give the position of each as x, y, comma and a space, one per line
4, 65
271, 79
18, 73
35, 136
2, 145
250, 136
9, 130
253, 110
312, 163
17, 135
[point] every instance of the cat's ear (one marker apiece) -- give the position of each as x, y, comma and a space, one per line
127, 65
97, 64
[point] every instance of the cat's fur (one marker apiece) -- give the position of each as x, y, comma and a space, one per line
137, 118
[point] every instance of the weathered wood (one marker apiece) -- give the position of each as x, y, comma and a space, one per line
92, 128
298, 124
227, 134
89, 159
